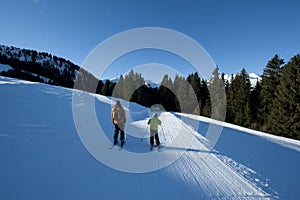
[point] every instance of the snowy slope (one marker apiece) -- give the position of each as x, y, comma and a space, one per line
4, 67
42, 156
25, 55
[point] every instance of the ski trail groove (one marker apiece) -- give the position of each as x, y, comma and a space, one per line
202, 169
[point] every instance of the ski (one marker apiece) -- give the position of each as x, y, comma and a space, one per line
158, 149
122, 145
119, 147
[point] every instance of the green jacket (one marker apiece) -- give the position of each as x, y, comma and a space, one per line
154, 122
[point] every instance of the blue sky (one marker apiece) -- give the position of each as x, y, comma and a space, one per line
236, 34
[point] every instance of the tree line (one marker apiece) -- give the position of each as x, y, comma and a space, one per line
272, 105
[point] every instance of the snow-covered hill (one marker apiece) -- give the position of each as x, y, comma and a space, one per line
42, 67
42, 156
22, 57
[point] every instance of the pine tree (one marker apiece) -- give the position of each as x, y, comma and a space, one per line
205, 104
106, 89
238, 99
195, 83
99, 87
270, 81
129, 86
140, 92
185, 94
175, 89
118, 90
285, 115
218, 96
254, 105
230, 89
167, 97
244, 94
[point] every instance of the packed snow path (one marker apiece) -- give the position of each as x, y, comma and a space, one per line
42, 156
197, 169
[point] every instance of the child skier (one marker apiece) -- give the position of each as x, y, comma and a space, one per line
154, 122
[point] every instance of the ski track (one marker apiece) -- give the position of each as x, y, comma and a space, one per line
203, 170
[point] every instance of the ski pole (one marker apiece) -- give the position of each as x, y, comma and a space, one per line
163, 133
144, 133
112, 130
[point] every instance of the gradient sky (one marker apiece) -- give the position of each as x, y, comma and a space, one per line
237, 34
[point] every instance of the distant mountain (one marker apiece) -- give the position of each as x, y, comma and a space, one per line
148, 83
252, 76
151, 84
42, 67
114, 80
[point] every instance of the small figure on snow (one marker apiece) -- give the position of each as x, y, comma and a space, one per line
119, 119
154, 122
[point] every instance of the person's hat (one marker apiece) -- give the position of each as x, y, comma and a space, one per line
118, 102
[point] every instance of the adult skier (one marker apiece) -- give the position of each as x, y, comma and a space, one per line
154, 122
119, 119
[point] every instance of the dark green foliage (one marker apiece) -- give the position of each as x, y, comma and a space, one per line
130, 87
195, 82
202, 94
284, 117
42, 67
270, 81
107, 88
255, 104
167, 97
184, 93
217, 96
273, 105
99, 87
205, 104
16, 73
239, 93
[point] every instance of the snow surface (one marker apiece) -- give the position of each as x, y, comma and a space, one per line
286, 142
4, 67
42, 156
